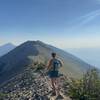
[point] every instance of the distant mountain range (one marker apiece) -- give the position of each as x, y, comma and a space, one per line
4, 49
30, 52
90, 55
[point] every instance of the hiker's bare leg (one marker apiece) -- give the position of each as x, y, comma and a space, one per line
53, 84
57, 85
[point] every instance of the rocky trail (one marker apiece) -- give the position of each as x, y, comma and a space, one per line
32, 85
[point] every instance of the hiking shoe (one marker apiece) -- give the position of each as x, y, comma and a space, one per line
53, 94
59, 97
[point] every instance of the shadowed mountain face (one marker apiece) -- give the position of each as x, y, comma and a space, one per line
29, 52
6, 48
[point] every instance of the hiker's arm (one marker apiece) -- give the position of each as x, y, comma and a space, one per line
61, 62
49, 65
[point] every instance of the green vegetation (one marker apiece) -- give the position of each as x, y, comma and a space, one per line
40, 66
87, 88
2, 95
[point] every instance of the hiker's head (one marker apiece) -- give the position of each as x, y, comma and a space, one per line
53, 55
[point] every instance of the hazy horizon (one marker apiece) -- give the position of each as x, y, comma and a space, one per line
89, 55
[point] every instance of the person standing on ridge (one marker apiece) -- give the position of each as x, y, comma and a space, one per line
53, 67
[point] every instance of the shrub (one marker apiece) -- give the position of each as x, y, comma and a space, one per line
87, 88
40, 66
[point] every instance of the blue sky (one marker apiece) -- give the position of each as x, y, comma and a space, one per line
63, 23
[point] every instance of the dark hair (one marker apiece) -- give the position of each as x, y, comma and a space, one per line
53, 54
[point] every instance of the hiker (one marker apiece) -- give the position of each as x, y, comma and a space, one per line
53, 71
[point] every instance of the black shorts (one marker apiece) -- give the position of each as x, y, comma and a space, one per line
53, 74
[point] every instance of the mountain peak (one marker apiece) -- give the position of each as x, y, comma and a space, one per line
37, 44
34, 42
4, 49
8, 44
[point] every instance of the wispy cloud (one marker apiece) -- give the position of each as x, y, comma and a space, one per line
98, 1
85, 19
89, 17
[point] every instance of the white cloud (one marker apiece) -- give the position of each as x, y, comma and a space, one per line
82, 24
89, 17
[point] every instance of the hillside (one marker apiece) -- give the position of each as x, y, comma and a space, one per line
30, 52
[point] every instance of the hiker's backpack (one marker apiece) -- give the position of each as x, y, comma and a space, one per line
56, 64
